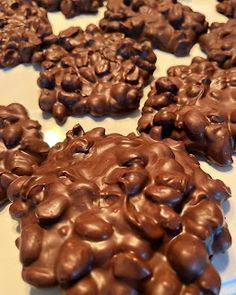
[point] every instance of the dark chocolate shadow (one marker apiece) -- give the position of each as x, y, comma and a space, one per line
52, 291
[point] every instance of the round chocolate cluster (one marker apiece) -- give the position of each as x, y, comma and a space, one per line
194, 104
167, 24
71, 8
92, 72
227, 7
23, 26
219, 43
120, 214
21, 146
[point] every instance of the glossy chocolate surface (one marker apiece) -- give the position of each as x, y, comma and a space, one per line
219, 43
167, 24
23, 26
110, 214
227, 7
71, 8
21, 146
195, 104
92, 72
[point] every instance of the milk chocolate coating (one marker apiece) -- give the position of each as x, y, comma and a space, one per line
167, 24
114, 214
92, 72
219, 43
71, 8
23, 26
194, 104
227, 7
21, 146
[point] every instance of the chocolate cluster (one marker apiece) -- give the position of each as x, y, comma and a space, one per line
227, 7
23, 26
71, 8
92, 72
167, 24
21, 146
219, 43
194, 104
120, 214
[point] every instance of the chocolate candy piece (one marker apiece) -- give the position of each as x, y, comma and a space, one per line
227, 7
71, 8
23, 26
220, 44
167, 24
21, 146
93, 72
121, 214
194, 104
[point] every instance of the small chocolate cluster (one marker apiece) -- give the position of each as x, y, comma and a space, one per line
227, 7
92, 72
23, 26
120, 214
167, 24
219, 43
195, 104
21, 146
71, 8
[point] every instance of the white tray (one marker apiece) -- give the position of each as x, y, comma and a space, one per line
19, 85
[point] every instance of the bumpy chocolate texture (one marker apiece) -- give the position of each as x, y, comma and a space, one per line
227, 7
21, 146
92, 72
110, 214
220, 43
23, 26
195, 104
71, 8
167, 24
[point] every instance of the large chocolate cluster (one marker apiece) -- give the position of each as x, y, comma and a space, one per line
195, 104
71, 8
23, 26
167, 24
21, 146
227, 7
92, 72
114, 214
219, 43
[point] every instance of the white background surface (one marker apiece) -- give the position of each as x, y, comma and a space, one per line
19, 85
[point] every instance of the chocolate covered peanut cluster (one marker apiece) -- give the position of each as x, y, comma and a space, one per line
227, 7
114, 214
71, 8
167, 24
195, 104
219, 43
23, 27
22, 148
92, 72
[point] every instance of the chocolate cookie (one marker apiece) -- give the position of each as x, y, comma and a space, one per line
92, 72
21, 146
220, 43
71, 8
227, 7
195, 104
167, 24
110, 214
23, 26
